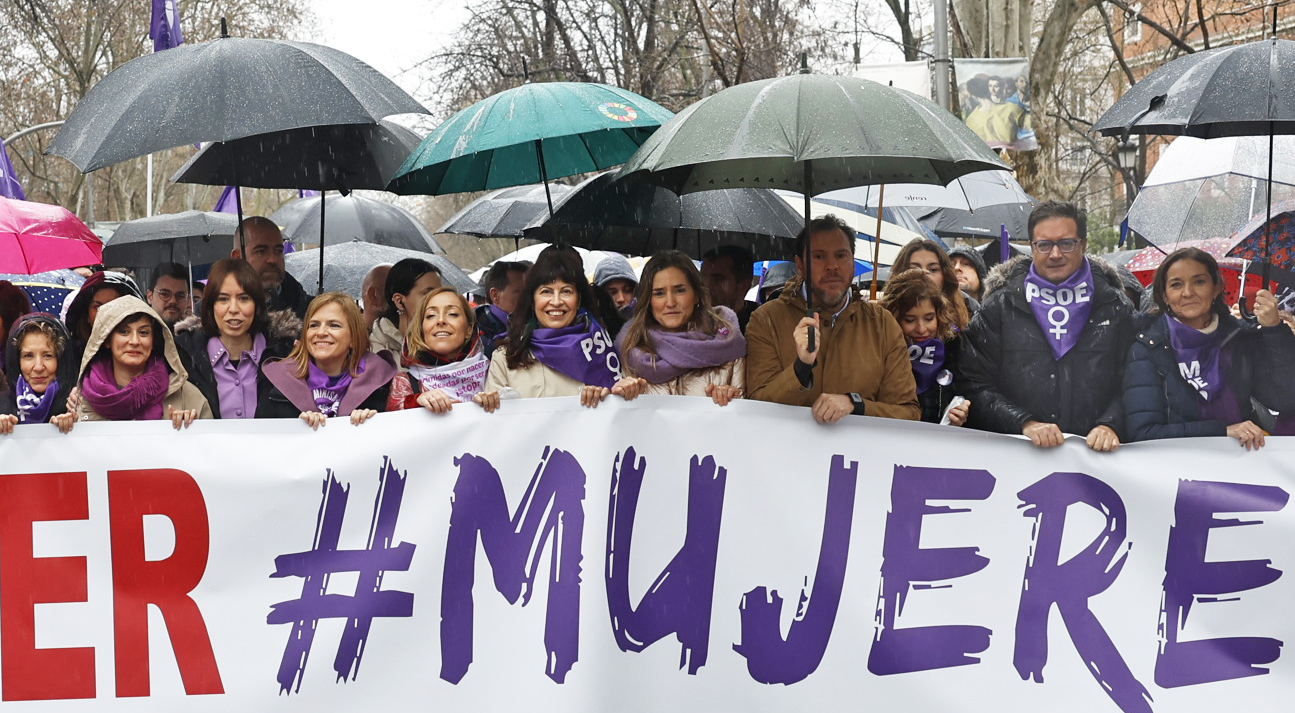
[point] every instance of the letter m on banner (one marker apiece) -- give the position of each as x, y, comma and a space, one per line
552, 509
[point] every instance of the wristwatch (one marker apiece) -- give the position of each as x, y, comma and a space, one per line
857, 400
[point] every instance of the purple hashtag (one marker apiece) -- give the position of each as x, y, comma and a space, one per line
316, 564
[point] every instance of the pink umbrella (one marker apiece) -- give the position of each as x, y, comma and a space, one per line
1150, 257
35, 237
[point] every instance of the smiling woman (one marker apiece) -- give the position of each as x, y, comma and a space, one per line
39, 379
444, 357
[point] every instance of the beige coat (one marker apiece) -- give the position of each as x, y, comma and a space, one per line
535, 381
386, 335
695, 382
180, 394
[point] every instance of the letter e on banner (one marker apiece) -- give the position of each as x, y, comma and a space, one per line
137, 582
29, 673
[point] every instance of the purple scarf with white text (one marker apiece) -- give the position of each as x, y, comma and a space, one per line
927, 358
330, 390
1061, 309
583, 351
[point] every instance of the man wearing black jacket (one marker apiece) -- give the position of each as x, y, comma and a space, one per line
264, 243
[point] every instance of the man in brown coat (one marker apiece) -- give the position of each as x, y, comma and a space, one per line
860, 362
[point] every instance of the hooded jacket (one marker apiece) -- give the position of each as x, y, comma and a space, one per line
66, 373
180, 394
1158, 401
286, 395
192, 343
862, 351
1008, 369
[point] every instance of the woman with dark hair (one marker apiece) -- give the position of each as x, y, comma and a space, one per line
556, 346
407, 283
131, 370
927, 256
678, 343
331, 371
444, 357
1195, 370
98, 289
224, 345
38, 378
926, 318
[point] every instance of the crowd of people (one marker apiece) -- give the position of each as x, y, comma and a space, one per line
1054, 343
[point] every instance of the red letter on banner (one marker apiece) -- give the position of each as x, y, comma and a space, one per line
136, 583
29, 673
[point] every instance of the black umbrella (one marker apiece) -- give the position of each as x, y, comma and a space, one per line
349, 262
193, 237
507, 212
640, 219
355, 217
984, 222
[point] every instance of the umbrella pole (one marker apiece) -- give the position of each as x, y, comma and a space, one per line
544, 174
322, 212
1263, 269
809, 252
876, 241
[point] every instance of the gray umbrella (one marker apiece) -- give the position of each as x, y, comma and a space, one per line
193, 237
355, 217
349, 262
640, 219
984, 222
221, 90
507, 212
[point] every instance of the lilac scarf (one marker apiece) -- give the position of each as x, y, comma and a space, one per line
499, 314
1200, 361
583, 351
1061, 309
140, 400
329, 390
678, 353
927, 358
34, 407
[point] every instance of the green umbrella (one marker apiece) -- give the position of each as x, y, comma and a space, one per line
530, 134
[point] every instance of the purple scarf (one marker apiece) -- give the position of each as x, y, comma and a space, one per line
34, 407
140, 400
927, 358
329, 390
1061, 309
1200, 362
583, 351
499, 314
678, 353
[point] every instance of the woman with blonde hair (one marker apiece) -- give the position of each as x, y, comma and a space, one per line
331, 371
444, 359
678, 343
927, 320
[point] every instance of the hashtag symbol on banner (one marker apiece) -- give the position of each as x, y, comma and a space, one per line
315, 566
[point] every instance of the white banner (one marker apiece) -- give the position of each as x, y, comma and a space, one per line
664, 554
913, 76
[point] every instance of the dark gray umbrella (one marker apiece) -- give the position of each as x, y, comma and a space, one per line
338, 157
221, 90
507, 212
349, 262
984, 222
640, 219
355, 217
192, 237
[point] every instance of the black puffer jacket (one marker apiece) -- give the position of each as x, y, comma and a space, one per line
192, 343
1158, 401
1008, 371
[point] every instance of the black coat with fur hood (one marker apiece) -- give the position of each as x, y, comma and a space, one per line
1011, 376
285, 329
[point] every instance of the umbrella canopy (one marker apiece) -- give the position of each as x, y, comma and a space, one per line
967, 193
349, 262
507, 212
355, 217
893, 235
1242, 90
222, 90
35, 237
530, 134
641, 219
1150, 257
341, 157
844, 131
985, 222
194, 236
531, 253
1248, 242
47, 290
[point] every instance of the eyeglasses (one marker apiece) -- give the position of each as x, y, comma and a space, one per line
167, 295
1067, 245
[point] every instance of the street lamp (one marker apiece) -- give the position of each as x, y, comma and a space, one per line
1126, 156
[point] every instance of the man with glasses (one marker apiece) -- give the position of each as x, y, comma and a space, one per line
1045, 355
169, 295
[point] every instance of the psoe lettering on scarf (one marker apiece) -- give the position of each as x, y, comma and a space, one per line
1063, 296
599, 344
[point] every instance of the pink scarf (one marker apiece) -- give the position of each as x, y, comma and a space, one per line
140, 400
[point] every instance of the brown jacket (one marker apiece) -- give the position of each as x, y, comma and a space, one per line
862, 351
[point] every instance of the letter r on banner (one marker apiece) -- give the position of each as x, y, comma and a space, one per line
137, 582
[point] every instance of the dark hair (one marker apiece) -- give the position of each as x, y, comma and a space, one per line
555, 263
496, 278
907, 289
1056, 209
247, 278
14, 303
401, 280
1161, 280
704, 318
952, 290
173, 270
822, 224
743, 259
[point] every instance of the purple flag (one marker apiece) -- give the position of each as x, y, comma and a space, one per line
227, 204
1005, 244
165, 30
9, 185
